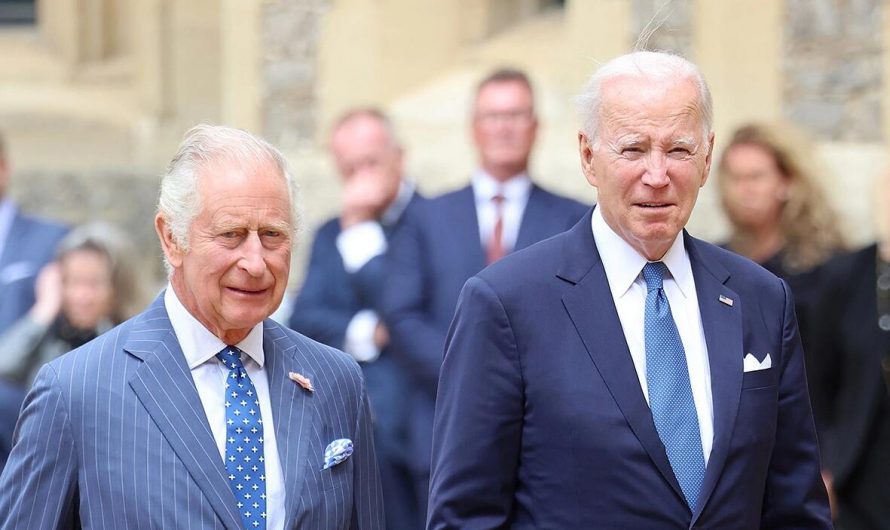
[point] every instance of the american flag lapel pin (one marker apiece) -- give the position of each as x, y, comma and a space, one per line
726, 300
301, 380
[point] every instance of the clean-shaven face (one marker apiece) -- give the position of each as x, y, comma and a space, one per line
649, 161
236, 268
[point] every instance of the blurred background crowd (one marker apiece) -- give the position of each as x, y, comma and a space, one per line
397, 115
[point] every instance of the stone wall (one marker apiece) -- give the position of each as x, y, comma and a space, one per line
290, 40
125, 200
832, 64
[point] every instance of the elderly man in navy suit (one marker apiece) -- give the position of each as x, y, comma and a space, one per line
26, 245
625, 374
452, 237
201, 412
340, 300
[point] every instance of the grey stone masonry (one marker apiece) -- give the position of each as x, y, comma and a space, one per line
125, 200
662, 25
832, 64
290, 42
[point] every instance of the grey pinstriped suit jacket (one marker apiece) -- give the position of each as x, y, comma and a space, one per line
113, 436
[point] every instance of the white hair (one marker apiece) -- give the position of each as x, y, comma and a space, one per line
641, 64
179, 202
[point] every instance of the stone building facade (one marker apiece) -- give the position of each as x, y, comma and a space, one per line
95, 94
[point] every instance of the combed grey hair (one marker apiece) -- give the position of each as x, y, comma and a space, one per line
202, 146
642, 64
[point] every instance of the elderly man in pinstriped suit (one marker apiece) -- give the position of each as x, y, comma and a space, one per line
200, 412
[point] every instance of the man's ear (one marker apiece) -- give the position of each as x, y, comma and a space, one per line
708, 159
586, 153
171, 249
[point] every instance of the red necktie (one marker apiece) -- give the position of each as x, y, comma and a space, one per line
495, 249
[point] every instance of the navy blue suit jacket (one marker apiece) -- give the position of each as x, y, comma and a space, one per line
330, 298
541, 421
430, 258
30, 245
114, 435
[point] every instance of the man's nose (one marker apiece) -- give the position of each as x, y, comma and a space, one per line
252, 255
656, 170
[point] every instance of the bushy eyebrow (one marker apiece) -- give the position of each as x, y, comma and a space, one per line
686, 141
626, 141
230, 226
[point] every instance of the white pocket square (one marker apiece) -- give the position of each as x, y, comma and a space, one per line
337, 452
751, 363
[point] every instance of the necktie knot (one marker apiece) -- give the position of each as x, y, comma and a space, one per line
230, 356
498, 200
653, 273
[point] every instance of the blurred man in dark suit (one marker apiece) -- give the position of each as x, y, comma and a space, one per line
26, 245
452, 237
340, 298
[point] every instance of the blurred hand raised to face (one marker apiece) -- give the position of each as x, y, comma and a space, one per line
369, 162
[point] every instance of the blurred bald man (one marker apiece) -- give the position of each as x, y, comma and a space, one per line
338, 304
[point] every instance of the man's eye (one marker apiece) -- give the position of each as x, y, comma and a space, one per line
231, 234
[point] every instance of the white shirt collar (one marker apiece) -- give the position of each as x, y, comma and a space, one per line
515, 189
198, 344
623, 264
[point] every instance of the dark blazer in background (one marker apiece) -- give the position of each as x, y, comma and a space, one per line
114, 435
438, 249
328, 300
851, 399
30, 245
541, 421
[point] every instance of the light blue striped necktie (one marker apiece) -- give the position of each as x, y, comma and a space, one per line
245, 460
670, 393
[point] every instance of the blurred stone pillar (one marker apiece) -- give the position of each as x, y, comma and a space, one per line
290, 70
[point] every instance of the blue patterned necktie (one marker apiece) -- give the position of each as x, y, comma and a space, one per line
245, 460
670, 393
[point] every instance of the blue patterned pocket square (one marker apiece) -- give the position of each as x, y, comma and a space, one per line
337, 452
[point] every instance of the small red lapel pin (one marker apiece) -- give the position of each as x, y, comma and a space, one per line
301, 380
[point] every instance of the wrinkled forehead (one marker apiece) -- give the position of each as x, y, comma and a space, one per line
629, 101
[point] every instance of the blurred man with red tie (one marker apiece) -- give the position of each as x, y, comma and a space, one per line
454, 236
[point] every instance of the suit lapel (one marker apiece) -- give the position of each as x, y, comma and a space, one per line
164, 386
293, 410
590, 306
533, 217
466, 224
722, 326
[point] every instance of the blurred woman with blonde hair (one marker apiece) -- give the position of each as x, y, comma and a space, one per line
780, 217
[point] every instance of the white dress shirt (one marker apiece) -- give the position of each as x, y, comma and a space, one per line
624, 267
200, 347
515, 192
358, 245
